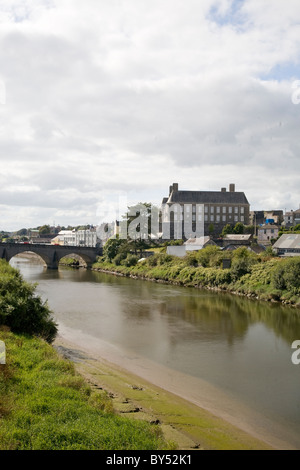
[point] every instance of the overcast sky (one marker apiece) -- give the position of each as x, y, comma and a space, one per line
109, 100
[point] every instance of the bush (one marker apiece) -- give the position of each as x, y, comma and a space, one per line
20, 308
209, 256
286, 275
130, 260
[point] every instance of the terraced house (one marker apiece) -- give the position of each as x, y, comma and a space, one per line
199, 213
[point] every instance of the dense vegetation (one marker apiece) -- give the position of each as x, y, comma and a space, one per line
46, 405
20, 308
262, 276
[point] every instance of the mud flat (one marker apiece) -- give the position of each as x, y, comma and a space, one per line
191, 413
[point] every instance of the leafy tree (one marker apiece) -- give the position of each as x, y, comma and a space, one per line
140, 225
211, 229
238, 228
112, 247
226, 230
44, 230
21, 232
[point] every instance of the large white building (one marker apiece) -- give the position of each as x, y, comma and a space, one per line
75, 238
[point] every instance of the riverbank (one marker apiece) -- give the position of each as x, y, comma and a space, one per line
193, 391
186, 424
270, 279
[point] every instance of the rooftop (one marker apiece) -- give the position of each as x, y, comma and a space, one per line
288, 241
202, 197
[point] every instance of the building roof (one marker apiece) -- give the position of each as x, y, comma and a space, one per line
265, 226
245, 236
288, 241
209, 197
200, 241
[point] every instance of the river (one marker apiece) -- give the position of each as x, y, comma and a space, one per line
229, 354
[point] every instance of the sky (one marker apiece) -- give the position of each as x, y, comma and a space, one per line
104, 104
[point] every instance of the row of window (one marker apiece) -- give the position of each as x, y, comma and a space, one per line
212, 218
213, 209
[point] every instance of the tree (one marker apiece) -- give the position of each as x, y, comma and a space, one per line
142, 222
238, 228
112, 248
44, 230
23, 231
226, 230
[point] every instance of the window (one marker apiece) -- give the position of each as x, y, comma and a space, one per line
218, 218
212, 218
206, 217
242, 218
194, 208
218, 209
224, 218
236, 210
212, 209
205, 208
236, 218
230, 210
224, 209
194, 217
242, 210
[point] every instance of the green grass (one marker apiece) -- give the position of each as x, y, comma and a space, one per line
46, 405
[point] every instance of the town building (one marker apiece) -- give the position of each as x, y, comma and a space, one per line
237, 240
292, 218
259, 218
287, 245
266, 233
76, 238
194, 244
192, 214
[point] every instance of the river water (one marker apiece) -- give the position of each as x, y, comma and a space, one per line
226, 353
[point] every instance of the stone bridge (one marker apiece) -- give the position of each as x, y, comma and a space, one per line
50, 254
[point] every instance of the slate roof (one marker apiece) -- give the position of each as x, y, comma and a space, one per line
288, 241
208, 197
197, 241
236, 237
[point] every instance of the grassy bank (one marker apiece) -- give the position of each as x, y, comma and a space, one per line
264, 278
46, 405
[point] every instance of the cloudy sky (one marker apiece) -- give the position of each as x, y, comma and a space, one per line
103, 101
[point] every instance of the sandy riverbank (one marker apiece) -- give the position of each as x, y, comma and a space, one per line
192, 412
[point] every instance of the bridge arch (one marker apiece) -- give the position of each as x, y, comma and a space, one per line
44, 258
87, 261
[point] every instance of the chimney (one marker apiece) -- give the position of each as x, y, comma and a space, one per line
223, 190
175, 187
231, 188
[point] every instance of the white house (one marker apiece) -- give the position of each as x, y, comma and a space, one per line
75, 238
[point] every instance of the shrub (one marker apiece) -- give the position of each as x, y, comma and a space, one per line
20, 308
130, 260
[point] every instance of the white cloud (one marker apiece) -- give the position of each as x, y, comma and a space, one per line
132, 96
